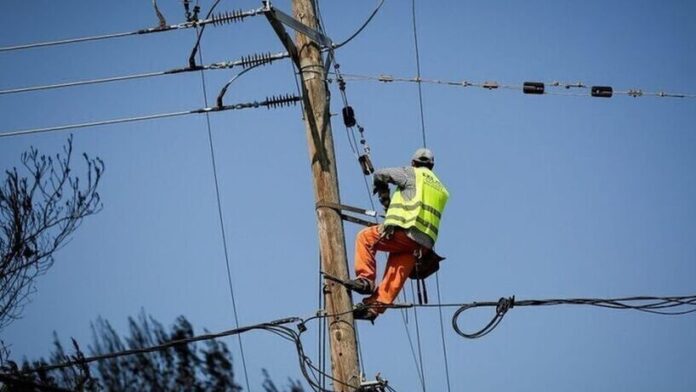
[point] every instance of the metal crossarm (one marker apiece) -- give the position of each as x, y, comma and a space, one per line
279, 19
280, 16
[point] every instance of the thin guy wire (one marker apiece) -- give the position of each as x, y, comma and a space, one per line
222, 223
442, 331
413, 350
418, 70
322, 328
418, 340
321, 332
422, 118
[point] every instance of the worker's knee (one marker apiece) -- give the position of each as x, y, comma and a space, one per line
368, 235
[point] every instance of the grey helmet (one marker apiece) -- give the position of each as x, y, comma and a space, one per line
424, 156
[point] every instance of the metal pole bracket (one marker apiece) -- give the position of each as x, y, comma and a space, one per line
279, 19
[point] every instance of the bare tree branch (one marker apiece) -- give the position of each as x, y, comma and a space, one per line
40, 208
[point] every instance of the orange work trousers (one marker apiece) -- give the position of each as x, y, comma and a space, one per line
401, 260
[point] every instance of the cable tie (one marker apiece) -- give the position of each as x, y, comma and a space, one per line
575, 85
301, 327
505, 304
635, 92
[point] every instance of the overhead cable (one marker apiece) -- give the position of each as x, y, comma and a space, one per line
655, 305
215, 20
418, 71
278, 327
442, 333
269, 102
199, 34
418, 342
161, 347
244, 62
666, 306
422, 121
222, 223
362, 27
531, 87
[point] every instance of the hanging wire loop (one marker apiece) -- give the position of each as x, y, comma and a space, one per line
501, 308
667, 306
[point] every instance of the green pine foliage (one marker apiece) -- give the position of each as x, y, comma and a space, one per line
196, 367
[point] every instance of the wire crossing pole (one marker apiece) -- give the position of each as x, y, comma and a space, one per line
332, 246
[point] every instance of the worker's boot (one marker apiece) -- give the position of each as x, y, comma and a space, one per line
365, 312
361, 286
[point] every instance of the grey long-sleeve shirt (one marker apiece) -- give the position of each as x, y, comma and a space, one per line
405, 179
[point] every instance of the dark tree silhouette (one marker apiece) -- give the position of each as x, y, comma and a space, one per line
41, 205
197, 366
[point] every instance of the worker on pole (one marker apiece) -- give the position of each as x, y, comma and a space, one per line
409, 231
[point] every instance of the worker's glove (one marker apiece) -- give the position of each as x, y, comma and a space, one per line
384, 199
380, 188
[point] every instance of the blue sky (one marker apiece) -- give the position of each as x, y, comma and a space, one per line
551, 196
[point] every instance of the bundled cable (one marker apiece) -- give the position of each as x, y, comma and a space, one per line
656, 305
278, 327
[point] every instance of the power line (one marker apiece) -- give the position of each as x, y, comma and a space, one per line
666, 306
362, 27
418, 70
222, 223
161, 347
215, 20
278, 327
422, 119
404, 315
418, 341
269, 102
442, 332
199, 34
558, 88
655, 305
244, 62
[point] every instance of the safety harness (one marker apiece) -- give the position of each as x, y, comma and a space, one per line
427, 260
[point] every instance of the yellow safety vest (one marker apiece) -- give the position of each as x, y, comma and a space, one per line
424, 210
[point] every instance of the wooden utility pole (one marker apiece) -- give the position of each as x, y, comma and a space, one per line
332, 246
